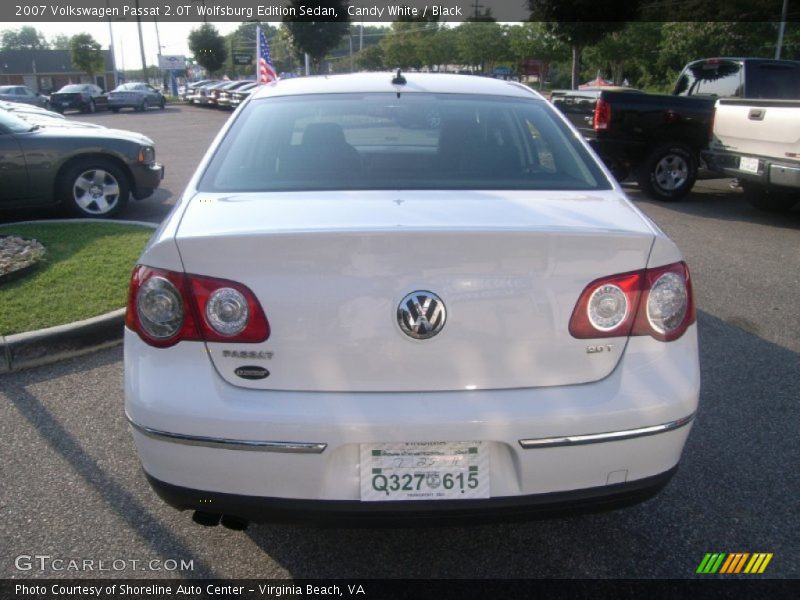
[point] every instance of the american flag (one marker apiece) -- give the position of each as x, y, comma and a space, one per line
266, 72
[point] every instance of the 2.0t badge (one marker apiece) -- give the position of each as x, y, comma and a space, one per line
421, 315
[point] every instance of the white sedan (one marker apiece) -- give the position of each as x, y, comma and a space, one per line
357, 313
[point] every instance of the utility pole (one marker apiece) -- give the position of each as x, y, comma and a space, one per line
111, 47
158, 54
141, 44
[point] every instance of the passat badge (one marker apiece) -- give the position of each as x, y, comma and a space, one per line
252, 372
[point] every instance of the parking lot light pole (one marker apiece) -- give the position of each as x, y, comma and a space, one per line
781, 29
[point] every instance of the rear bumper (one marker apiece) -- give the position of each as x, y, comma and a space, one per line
570, 446
355, 513
769, 171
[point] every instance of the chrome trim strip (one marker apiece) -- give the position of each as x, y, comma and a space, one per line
610, 436
229, 444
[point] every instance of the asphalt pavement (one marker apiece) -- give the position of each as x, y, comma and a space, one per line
72, 487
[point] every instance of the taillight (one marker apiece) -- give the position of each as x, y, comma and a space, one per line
602, 115
166, 307
656, 302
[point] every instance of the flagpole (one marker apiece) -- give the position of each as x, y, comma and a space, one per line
258, 52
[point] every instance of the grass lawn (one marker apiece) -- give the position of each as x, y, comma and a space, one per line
84, 273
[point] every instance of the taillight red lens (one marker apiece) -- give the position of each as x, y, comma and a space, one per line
257, 327
602, 115
583, 325
657, 302
166, 307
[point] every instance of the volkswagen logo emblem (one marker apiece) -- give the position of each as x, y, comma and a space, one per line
421, 315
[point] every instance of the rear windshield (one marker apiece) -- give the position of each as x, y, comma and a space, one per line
774, 80
74, 88
711, 78
416, 141
130, 86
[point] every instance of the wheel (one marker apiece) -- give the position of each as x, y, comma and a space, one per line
115, 110
145, 105
668, 172
94, 188
768, 199
92, 108
162, 104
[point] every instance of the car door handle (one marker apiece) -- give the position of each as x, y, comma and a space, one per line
756, 114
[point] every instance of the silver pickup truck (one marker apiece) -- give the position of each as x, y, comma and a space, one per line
758, 142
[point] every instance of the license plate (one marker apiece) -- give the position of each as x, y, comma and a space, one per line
748, 164
424, 471
65, 104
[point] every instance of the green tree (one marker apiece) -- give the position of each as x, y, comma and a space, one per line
482, 44
86, 54
400, 46
564, 19
243, 40
630, 53
687, 41
317, 38
208, 47
24, 38
438, 48
534, 40
370, 58
60, 42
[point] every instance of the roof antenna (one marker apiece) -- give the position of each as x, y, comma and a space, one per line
399, 80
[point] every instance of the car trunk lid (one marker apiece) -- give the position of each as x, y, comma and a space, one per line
331, 268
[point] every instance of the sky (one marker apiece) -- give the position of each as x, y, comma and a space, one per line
173, 37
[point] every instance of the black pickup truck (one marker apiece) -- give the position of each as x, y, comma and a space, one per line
659, 138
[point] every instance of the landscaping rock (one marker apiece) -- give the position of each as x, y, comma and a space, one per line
17, 254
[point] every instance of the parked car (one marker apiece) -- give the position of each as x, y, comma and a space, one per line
198, 94
235, 98
758, 143
92, 171
660, 138
23, 94
138, 96
205, 95
189, 88
345, 317
83, 97
45, 119
221, 96
23, 109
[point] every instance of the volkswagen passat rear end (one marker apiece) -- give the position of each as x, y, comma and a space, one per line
359, 314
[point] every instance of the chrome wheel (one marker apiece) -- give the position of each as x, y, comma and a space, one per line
96, 192
671, 172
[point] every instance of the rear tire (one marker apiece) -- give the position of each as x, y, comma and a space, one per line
163, 104
94, 187
768, 199
669, 172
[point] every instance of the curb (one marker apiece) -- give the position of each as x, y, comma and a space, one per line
44, 346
